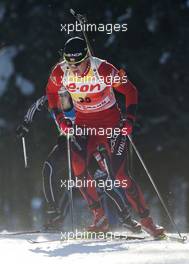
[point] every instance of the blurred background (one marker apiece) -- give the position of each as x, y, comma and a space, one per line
155, 53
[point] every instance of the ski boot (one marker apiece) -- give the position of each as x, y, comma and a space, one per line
100, 224
55, 221
149, 226
129, 223
132, 225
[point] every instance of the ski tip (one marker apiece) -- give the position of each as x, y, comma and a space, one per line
31, 241
181, 239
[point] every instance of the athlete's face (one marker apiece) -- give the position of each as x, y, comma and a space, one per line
79, 68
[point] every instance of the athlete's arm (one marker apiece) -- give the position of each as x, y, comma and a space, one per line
36, 107
40, 104
53, 86
122, 85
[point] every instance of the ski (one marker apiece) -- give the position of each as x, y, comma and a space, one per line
28, 232
32, 241
122, 236
22, 233
92, 236
107, 236
173, 238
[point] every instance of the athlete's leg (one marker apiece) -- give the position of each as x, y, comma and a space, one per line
54, 170
88, 189
133, 191
99, 160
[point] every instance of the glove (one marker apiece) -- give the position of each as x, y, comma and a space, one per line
22, 130
65, 126
126, 127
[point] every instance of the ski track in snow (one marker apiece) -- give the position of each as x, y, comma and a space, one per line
18, 249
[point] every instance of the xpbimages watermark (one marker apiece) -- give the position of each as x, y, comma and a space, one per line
107, 28
66, 236
108, 184
108, 79
109, 132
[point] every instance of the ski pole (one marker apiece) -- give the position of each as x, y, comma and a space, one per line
24, 152
70, 180
154, 185
130, 163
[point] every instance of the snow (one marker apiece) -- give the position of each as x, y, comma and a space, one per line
152, 24
164, 57
6, 66
7, 69
180, 207
3, 123
110, 40
36, 203
126, 15
91, 251
26, 87
2, 12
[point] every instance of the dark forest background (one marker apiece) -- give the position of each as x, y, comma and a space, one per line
155, 53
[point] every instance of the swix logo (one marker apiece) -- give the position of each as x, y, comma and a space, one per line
85, 88
121, 146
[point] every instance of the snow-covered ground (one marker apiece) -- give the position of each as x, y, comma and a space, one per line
16, 249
